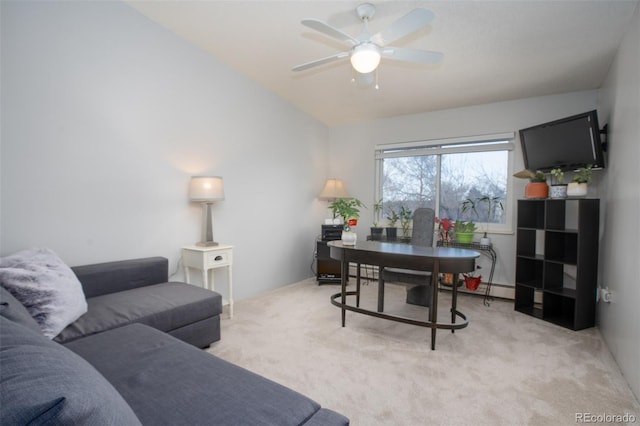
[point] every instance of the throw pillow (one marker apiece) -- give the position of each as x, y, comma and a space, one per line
47, 287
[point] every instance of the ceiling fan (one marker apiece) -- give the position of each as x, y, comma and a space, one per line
366, 49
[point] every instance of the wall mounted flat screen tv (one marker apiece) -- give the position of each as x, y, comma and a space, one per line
567, 144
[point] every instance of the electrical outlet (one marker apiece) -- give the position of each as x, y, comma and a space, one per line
605, 295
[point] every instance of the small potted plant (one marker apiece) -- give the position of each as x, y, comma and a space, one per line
537, 187
405, 221
349, 210
581, 180
559, 188
444, 226
464, 231
471, 281
376, 231
391, 230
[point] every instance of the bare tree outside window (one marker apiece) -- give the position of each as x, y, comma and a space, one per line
413, 181
409, 182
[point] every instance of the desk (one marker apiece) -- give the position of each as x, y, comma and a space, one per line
206, 259
436, 260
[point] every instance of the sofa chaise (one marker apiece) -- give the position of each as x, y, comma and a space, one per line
134, 358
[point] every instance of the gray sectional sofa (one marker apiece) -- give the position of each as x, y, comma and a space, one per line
134, 358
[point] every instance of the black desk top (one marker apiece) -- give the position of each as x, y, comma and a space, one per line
408, 250
407, 256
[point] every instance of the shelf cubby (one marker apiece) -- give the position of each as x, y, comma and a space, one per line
529, 272
557, 260
532, 217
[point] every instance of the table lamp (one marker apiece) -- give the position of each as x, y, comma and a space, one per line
206, 190
333, 189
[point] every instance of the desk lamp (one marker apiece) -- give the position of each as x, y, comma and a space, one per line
206, 190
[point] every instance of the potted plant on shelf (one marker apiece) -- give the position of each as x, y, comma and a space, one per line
537, 187
392, 231
581, 180
376, 231
464, 231
405, 221
559, 188
349, 210
493, 203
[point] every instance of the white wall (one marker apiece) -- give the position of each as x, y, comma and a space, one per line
352, 148
106, 115
619, 251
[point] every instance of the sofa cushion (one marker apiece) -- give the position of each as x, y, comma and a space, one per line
12, 309
46, 286
45, 383
110, 277
202, 388
166, 306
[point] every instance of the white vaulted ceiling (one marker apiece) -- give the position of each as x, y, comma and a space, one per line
494, 50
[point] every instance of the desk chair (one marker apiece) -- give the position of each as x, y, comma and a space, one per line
418, 282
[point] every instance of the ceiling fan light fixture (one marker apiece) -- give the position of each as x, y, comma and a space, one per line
365, 57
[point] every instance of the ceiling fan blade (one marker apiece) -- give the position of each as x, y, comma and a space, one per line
322, 61
412, 55
404, 26
327, 29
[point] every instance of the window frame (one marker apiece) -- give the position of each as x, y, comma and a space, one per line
467, 144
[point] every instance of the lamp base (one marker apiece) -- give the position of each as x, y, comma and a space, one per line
207, 244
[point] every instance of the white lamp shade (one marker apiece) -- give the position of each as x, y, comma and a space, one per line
365, 58
333, 189
206, 189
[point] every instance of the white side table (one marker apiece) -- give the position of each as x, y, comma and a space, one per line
207, 259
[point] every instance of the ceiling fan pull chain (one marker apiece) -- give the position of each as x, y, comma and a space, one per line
377, 86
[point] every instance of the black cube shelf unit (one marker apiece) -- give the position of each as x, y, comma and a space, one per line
557, 260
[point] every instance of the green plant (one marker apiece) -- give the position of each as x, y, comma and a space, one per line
405, 220
377, 209
393, 219
583, 175
559, 175
539, 176
464, 227
492, 204
347, 208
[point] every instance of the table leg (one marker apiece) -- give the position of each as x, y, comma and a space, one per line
229, 279
358, 286
186, 274
380, 291
433, 312
343, 282
454, 300
205, 279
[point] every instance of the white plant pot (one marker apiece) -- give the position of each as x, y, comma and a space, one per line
558, 191
485, 241
575, 189
349, 238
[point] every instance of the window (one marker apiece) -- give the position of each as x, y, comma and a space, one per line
442, 174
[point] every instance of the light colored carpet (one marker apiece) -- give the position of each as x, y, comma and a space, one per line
505, 368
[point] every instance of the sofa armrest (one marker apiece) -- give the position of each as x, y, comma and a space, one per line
110, 277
